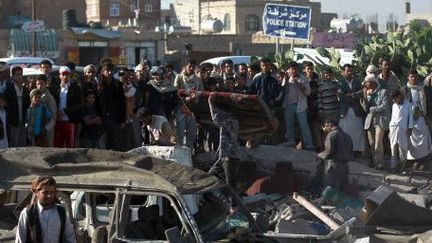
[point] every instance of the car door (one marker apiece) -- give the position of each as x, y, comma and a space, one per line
93, 213
148, 216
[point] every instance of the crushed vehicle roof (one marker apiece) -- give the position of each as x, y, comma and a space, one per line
102, 168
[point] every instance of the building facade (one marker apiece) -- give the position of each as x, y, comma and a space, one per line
144, 13
17, 12
240, 17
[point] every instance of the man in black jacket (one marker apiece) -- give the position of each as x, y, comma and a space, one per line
112, 103
266, 86
18, 101
69, 105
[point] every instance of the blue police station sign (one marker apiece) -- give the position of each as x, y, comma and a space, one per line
285, 21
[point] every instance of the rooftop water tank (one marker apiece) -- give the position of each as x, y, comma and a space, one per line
212, 26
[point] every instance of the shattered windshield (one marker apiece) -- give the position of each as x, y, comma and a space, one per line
219, 214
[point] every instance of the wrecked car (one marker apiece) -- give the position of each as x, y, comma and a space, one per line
123, 197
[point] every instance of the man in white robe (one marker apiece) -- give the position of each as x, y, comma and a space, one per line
401, 126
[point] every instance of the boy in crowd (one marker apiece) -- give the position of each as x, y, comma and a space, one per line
92, 127
401, 126
47, 100
240, 86
266, 86
229, 85
39, 120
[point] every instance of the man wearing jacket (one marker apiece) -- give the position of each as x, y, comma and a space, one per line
112, 102
377, 107
69, 104
18, 101
351, 113
266, 86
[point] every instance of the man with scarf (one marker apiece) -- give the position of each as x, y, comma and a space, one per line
377, 108
420, 140
44, 221
161, 95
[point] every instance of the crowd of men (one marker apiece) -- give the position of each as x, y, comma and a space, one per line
120, 108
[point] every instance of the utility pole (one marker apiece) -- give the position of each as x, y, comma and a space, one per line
34, 40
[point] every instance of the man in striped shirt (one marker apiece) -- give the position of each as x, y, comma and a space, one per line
327, 99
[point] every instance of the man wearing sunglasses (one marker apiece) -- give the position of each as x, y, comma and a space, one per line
69, 104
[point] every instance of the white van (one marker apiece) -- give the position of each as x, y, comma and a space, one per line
25, 61
235, 59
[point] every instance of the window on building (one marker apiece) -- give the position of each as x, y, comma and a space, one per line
91, 11
148, 8
227, 22
114, 9
168, 20
252, 23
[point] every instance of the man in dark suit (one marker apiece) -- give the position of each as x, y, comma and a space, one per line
351, 114
113, 105
18, 101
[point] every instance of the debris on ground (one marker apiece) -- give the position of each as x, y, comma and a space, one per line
382, 207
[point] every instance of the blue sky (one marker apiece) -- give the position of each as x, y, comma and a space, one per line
366, 8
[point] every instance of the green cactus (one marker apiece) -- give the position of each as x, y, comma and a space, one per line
405, 50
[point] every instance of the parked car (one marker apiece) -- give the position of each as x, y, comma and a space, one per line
25, 61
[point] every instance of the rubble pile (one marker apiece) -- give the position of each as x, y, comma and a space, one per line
383, 206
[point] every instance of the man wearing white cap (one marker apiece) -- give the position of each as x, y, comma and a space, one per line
377, 107
142, 70
69, 104
89, 80
372, 69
